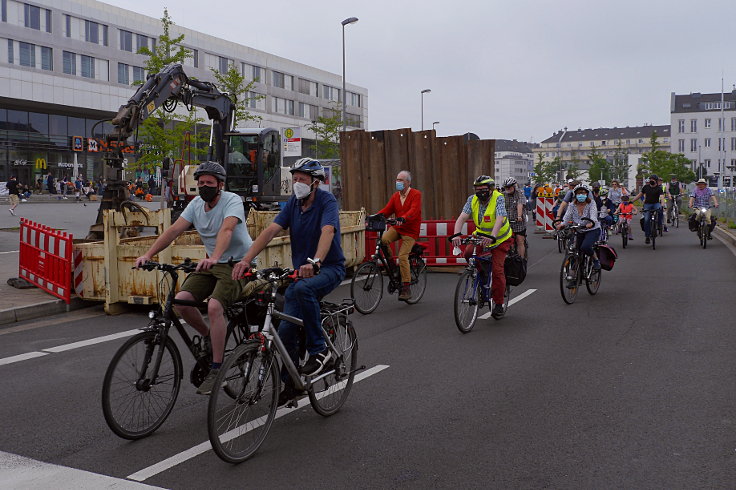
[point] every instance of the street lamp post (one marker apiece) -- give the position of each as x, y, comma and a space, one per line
349, 20
425, 91
434, 123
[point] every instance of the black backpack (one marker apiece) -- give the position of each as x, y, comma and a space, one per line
515, 269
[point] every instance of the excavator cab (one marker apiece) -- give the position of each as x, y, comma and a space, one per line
253, 164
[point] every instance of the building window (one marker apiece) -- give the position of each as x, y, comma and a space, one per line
257, 74
139, 74
48, 20
681, 126
68, 25
88, 66
733, 124
223, 65
720, 124
195, 58
307, 87
707, 123
330, 93
283, 106
681, 146
353, 99
278, 79
91, 32
693, 125
706, 143
32, 16
693, 144
123, 74
70, 63
733, 144
141, 41
4, 10
126, 41
707, 162
47, 58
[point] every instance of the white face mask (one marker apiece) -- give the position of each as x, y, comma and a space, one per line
302, 190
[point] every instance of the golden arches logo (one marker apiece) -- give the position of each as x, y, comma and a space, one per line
41, 163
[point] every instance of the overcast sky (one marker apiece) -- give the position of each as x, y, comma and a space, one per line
516, 69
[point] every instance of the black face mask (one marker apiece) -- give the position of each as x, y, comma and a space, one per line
483, 195
208, 194
652, 183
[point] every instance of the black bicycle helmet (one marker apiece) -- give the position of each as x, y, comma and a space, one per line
654, 177
311, 167
210, 168
484, 180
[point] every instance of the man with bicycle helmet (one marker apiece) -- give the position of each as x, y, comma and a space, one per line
312, 218
514, 200
487, 208
652, 193
219, 218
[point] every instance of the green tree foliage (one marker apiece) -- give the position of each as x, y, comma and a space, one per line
620, 165
600, 168
233, 83
168, 50
544, 172
664, 163
573, 171
327, 131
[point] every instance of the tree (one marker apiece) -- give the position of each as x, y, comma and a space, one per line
327, 131
544, 172
664, 163
167, 50
620, 165
573, 171
233, 83
600, 168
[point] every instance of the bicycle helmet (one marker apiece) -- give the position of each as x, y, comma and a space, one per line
596, 185
311, 167
484, 180
603, 191
654, 177
210, 168
509, 182
581, 187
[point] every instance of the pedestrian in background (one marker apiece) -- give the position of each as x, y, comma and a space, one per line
50, 183
13, 193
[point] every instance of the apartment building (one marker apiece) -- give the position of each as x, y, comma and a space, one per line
513, 159
66, 64
704, 130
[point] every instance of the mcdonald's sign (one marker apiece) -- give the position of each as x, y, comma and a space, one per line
41, 163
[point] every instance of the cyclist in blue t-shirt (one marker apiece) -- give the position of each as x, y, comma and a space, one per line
312, 218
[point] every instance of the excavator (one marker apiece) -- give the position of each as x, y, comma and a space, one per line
251, 157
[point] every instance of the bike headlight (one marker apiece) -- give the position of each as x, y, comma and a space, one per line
152, 314
703, 210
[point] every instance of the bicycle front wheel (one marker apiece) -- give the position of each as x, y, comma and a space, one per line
466, 301
593, 281
624, 235
331, 389
238, 425
569, 279
134, 403
366, 288
418, 279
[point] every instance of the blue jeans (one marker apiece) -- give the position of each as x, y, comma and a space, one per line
302, 301
648, 208
586, 241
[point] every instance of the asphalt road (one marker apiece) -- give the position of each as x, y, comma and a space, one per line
631, 388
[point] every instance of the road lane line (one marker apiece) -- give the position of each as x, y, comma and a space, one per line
21, 472
85, 343
10, 252
21, 357
523, 295
192, 452
348, 281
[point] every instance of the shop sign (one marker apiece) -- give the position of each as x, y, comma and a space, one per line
41, 163
77, 143
92, 144
19, 163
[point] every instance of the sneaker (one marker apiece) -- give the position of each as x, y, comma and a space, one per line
405, 292
497, 312
209, 382
596, 265
24, 200
65, 197
648, 241
630, 237
11, 212
316, 363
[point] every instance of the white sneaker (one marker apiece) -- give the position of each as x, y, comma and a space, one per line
11, 212
24, 200
66, 197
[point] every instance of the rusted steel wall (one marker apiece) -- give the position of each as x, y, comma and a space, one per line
442, 168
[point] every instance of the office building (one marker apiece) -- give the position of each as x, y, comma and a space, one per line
513, 159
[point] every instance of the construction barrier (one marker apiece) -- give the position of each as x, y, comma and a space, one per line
45, 258
544, 214
434, 234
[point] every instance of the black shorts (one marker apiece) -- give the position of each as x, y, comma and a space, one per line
522, 232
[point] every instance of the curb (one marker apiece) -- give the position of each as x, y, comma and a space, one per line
44, 308
727, 235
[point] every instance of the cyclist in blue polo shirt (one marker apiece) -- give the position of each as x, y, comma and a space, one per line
312, 218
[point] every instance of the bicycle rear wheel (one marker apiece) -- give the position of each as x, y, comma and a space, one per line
466, 301
133, 404
238, 426
418, 279
330, 390
366, 288
569, 277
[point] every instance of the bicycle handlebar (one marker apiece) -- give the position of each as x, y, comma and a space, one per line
186, 266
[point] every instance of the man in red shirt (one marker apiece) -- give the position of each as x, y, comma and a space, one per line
406, 205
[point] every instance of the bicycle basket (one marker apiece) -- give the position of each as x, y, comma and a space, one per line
375, 223
607, 256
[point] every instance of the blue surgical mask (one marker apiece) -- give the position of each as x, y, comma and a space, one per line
581, 197
399, 185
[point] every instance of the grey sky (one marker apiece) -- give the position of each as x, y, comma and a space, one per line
502, 69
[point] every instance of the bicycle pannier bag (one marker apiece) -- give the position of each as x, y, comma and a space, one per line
515, 269
375, 223
417, 249
607, 256
692, 223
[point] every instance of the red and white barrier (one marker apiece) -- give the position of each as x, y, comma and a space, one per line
78, 279
545, 217
45, 258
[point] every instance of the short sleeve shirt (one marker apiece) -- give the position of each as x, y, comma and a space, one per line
305, 229
209, 223
651, 193
701, 199
500, 207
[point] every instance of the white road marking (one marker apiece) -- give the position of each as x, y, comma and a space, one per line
21, 357
348, 281
96, 340
523, 295
192, 452
20, 472
11, 252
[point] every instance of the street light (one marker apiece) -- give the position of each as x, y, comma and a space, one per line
349, 20
433, 124
425, 91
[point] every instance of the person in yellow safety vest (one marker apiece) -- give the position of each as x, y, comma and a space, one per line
487, 208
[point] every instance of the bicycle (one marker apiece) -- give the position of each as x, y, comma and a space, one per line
674, 212
623, 228
143, 378
655, 227
576, 268
469, 296
561, 237
703, 228
239, 423
366, 287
